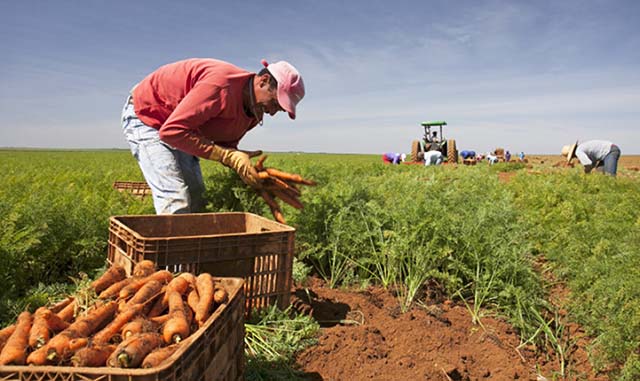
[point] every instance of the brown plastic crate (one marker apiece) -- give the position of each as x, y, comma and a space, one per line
214, 352
223, 244
136, 188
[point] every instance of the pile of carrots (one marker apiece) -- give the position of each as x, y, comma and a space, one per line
280, 185
137, 321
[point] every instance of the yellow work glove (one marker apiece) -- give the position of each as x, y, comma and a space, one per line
238, 161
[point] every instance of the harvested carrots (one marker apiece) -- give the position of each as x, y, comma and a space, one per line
281, 185
204, 284
131, 352
14, 350
158, 356
93, 356
114, 274
117, 331
177, 327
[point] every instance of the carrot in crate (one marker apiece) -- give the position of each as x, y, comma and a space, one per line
176, 328
193, 299
145, 295
138, 325
93, 356
204, 284
15, 350
162, 276
56, 308
158, 356
220, 295
180, 283
115, 326
68, 312
113, 290
114, 274
143, 269
58, 346
38, 357
44, 323
131, 352
5, 333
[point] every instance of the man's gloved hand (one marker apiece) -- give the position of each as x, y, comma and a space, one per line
238, 161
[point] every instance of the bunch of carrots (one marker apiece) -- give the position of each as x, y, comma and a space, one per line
137, 321
280, 185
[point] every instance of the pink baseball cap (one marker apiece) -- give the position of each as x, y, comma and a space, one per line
290, 85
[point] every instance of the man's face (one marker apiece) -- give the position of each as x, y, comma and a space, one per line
266, 98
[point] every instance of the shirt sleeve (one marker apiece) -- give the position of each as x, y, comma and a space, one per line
180, 130
582, 156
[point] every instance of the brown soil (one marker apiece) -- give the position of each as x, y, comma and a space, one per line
505, 177
365, 336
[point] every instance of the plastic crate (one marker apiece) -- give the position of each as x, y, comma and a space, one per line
223, 244
136, 188
214, 352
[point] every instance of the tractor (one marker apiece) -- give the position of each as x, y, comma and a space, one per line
434, 141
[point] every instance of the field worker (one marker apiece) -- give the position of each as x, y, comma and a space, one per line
200, 109
468, 154
507, 156
491, 158
433, 158
594, 153
521, 156
393, 158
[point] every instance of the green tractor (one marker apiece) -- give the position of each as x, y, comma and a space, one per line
432, 141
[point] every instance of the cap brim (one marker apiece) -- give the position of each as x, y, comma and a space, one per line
285, 102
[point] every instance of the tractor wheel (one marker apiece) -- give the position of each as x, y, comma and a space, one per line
415, 150
452, 152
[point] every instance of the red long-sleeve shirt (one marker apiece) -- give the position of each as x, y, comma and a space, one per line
194, 103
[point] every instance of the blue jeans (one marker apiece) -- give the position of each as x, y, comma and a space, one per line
611, 160
175, 177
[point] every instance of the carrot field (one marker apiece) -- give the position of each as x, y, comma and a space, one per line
539, 247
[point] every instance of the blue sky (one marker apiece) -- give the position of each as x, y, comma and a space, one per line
525, 75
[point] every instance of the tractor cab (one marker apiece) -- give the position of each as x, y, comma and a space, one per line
434, 140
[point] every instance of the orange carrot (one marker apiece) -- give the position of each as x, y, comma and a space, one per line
14, 352
143, 268
159, 319
77, 343
112, 329
139, 325
145, 295
61, 305
93, 356
192, 299
204, 284
180, 284
131, 352
114, 274
113, 290
273, 205
176, 328
162, 276
67, 313
40, 333
158, 356
5, 333
260, 163
220, 295
38, 357
84, 326
289, 176
55, 322
288, 199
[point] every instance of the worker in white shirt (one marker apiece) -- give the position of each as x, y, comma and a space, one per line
593, 154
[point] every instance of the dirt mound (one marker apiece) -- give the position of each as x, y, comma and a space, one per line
365, 336
564, 164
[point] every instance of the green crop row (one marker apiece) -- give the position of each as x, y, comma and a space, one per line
459, 230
